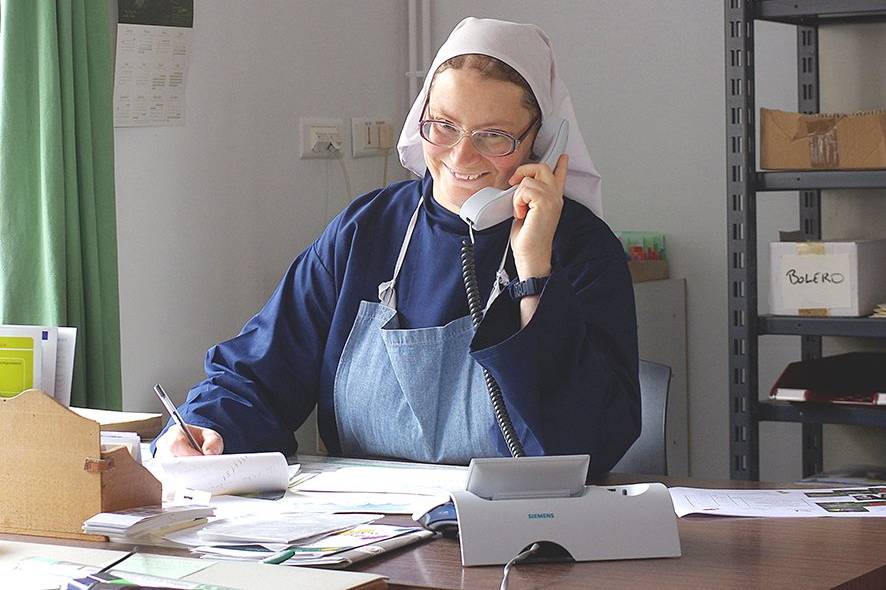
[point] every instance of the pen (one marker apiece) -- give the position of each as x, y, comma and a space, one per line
96, 581
279, 557
176, 417
116, 562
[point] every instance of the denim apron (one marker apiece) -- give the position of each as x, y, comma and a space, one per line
413, 394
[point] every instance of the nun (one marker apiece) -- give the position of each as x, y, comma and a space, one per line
371, 324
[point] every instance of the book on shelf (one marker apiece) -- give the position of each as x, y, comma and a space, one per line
853, 378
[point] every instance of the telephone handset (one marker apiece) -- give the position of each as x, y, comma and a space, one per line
491, 205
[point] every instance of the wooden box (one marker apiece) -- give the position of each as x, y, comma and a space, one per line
53, 474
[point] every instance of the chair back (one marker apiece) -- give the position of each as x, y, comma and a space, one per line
648, 455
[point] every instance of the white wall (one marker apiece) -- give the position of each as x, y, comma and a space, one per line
210, 214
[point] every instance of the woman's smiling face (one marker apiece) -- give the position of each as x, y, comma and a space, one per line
469, 100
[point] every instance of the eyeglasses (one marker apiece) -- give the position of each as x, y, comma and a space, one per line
488, 142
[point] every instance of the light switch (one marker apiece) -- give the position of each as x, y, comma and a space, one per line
370, 136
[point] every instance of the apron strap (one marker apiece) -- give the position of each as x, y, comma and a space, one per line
387, 293
501, 276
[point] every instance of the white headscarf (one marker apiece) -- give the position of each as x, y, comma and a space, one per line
527, 49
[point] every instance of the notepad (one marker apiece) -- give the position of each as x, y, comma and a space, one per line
224, 474
139, 521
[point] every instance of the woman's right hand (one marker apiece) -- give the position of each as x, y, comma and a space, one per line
174, 443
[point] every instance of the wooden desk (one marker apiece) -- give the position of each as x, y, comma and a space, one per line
718, 552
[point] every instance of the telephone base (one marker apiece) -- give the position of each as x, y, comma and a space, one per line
634, 521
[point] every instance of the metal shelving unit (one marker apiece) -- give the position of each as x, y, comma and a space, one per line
743, 183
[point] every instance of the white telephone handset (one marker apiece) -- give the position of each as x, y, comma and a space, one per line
491, 205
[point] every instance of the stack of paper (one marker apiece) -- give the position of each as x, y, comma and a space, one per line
37, 357
336, 551
280, 528
187, 572
146, 519
335, 484
879, 311
145, 424
130, 440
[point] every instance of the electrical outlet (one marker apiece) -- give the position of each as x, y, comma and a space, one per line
321, 138
370, 136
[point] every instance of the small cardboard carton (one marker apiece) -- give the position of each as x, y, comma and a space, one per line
793, 141
838, 278
648, 270
54, 475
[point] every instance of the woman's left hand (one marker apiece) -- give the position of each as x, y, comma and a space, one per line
538, 202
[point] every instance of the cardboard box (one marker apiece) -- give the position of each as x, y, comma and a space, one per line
648, 270
53, 474
793, 141
840, 278
647, 258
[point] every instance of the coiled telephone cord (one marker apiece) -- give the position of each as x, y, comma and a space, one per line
475, 305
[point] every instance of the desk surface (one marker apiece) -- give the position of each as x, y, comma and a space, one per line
718, 552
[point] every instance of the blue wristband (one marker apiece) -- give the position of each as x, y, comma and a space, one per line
531, 286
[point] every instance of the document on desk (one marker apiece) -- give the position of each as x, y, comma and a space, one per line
188, 571
866, 501
338, 550
273, 530
390, 480
225, 474
327, 502
282, 528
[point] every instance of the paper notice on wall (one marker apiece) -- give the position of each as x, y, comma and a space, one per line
153, 45
816, 281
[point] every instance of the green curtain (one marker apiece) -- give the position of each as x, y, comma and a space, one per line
58, 235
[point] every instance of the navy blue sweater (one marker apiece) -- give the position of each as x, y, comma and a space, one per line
569, 377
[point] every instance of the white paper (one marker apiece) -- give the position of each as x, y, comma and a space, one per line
276, 529
816, 281
49, 344
226, 474
150, 75
863, 501
393, 480
293, 503
130, 440
64, 364
138, 521
353, 502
